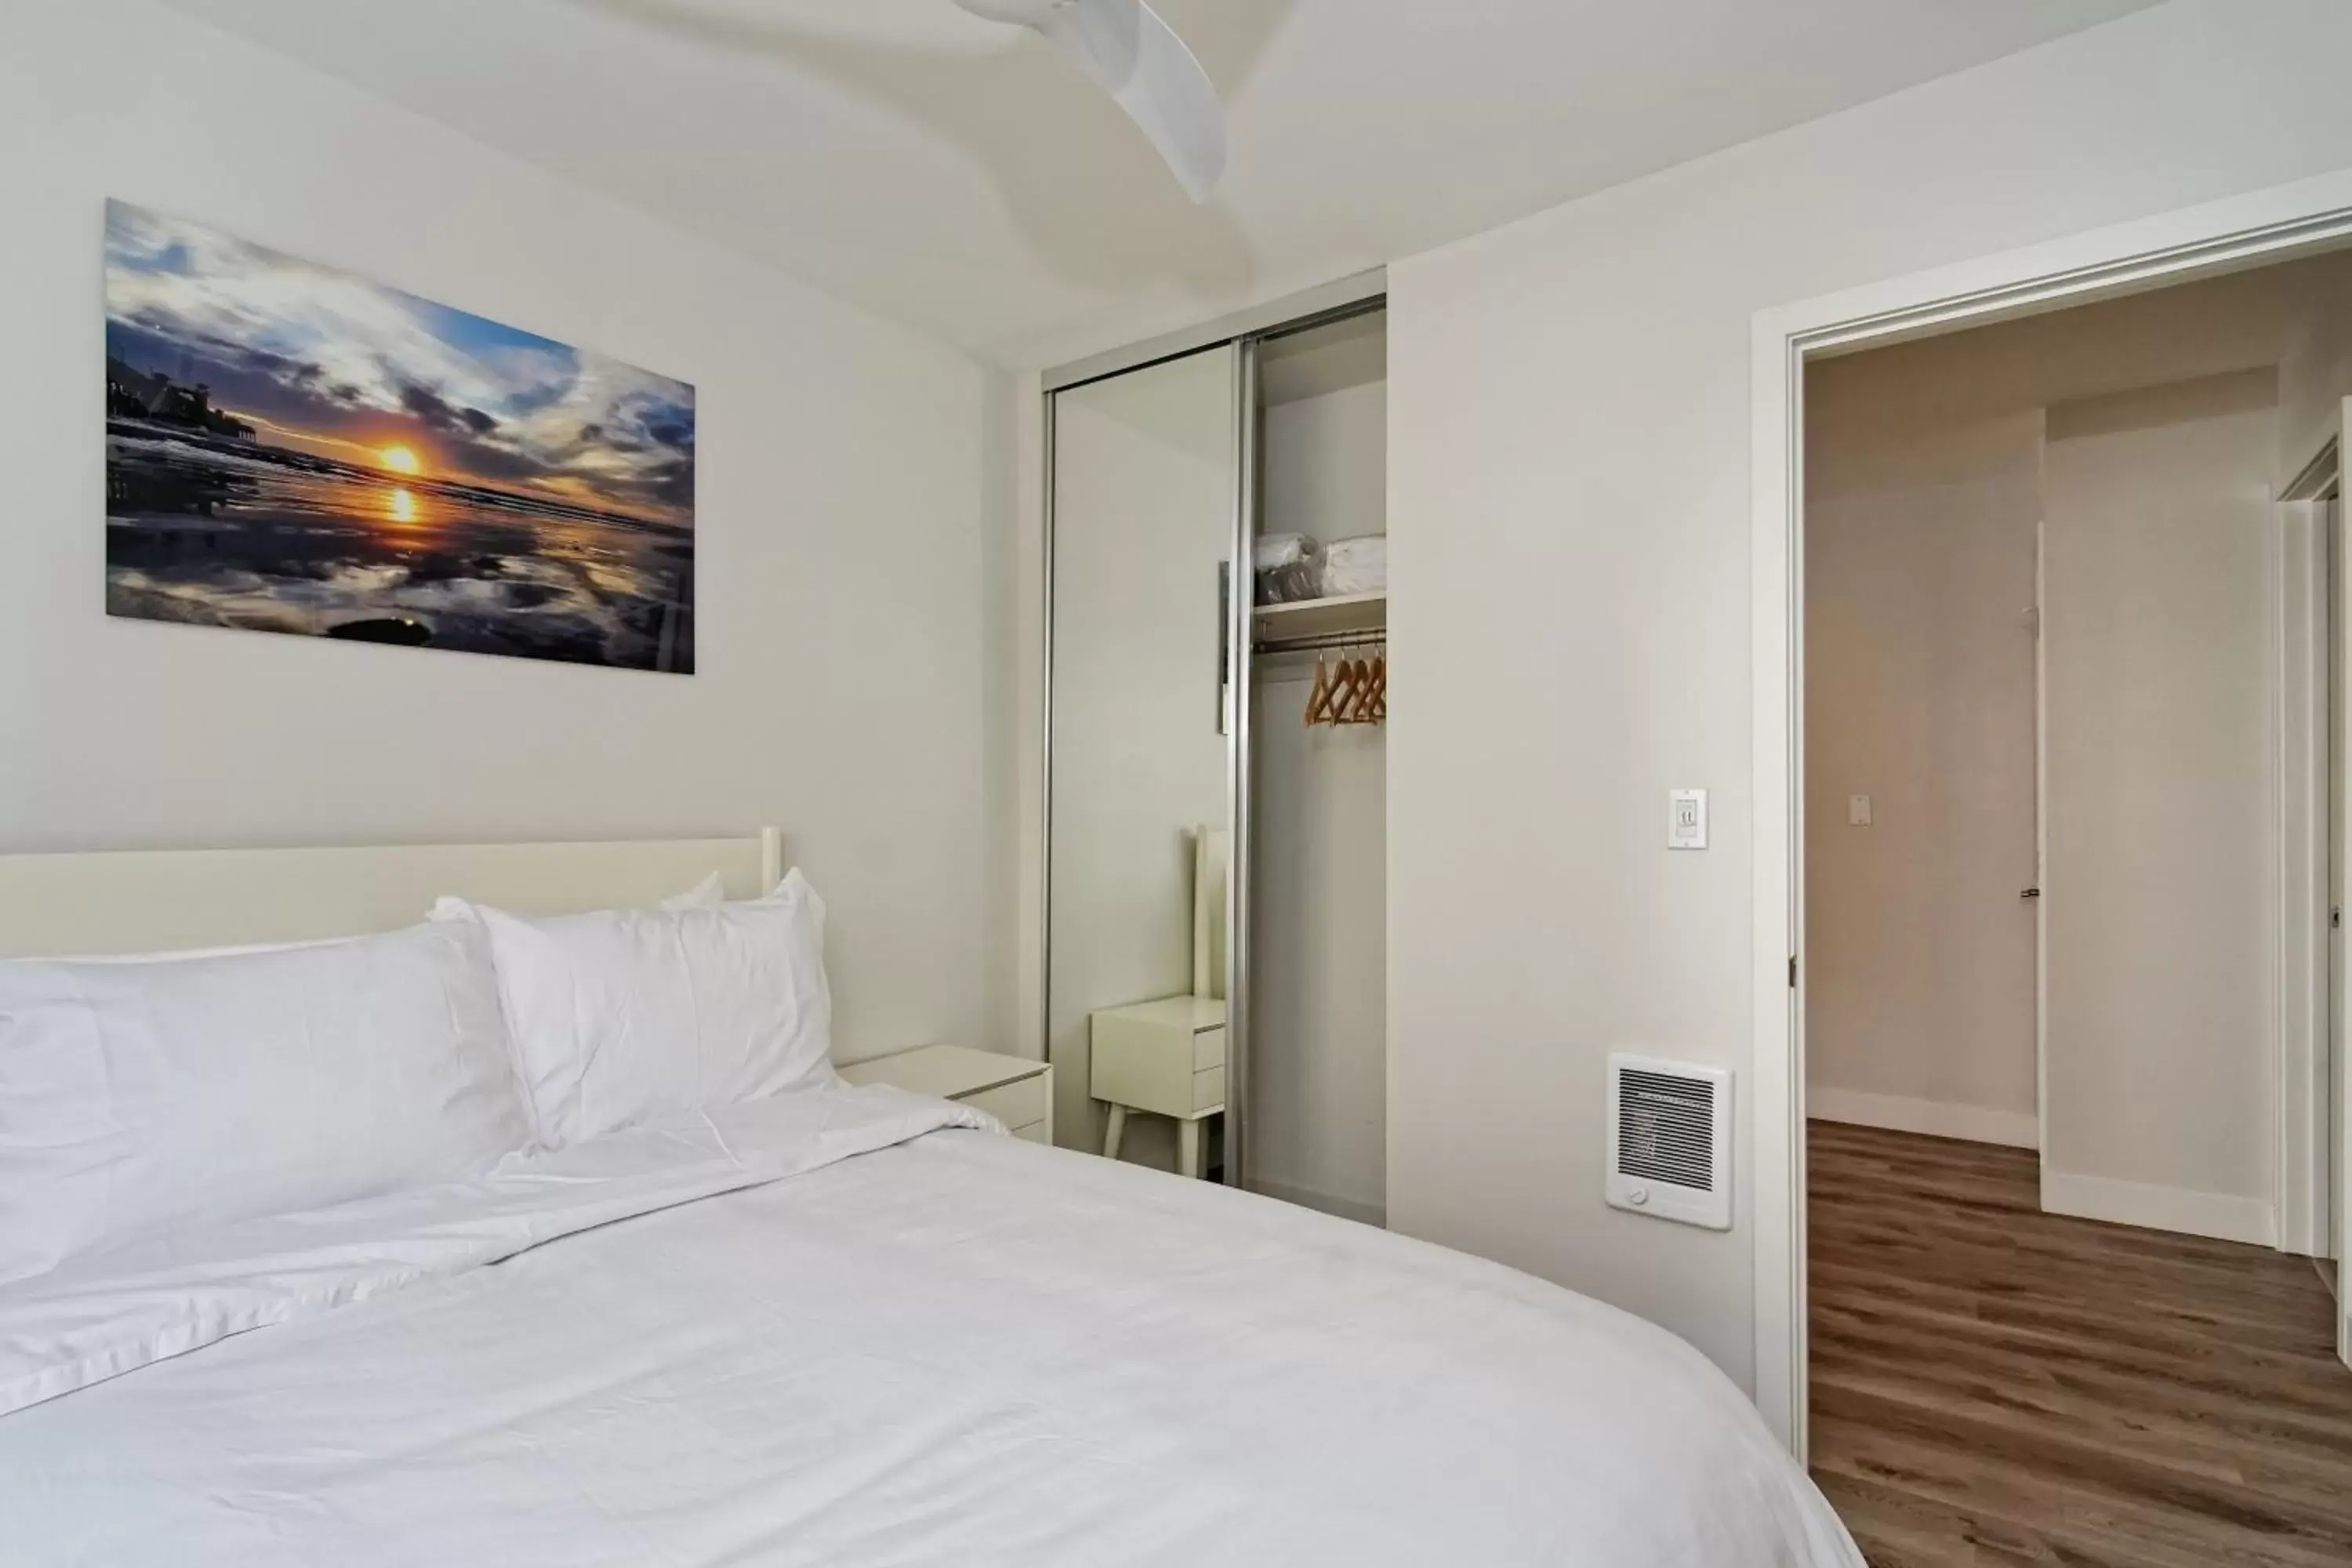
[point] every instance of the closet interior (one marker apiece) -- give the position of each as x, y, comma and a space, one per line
1216, 844
1318, 772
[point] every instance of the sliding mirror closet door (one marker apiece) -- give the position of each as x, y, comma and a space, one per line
1145, 481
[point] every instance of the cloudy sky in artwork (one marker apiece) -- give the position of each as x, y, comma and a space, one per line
327, 363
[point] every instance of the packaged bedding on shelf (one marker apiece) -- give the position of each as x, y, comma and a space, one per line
1290, 567
1358, 565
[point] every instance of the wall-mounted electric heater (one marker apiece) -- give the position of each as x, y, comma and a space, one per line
1670, 1139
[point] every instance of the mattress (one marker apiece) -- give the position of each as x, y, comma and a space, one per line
853, 1327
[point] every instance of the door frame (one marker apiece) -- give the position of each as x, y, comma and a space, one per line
2269, 226
2319, 488
2309, 689
2041, 832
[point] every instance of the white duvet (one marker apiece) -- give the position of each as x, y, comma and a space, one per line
853, 1327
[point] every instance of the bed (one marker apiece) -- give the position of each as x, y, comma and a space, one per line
835, 1325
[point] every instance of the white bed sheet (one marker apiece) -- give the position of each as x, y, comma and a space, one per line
838, 1329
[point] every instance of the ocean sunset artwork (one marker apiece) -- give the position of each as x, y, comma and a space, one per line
293, 449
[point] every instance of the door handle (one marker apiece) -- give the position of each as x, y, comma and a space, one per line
2031, 893
1224, 647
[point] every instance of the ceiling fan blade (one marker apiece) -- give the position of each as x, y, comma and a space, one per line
1138, 59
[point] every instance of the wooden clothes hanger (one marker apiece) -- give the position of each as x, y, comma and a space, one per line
1350, 691
1320, 700
1343, 693
1358, 680
1369, 703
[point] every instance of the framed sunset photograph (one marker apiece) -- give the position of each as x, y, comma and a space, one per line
293, 449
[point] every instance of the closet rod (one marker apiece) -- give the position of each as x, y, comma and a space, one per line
1375, 637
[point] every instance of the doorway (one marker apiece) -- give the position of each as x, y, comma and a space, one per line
1793, 804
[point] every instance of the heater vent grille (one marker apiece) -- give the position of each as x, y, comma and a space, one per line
1666, 1129
1669, 1140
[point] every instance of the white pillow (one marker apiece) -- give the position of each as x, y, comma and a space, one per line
140, 1099
626, 1015
708, 893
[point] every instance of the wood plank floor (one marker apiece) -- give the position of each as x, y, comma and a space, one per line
1992, 1384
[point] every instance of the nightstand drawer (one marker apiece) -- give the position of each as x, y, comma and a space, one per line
1035, 1132
1209, 1088
1015, 1104
1208, 1049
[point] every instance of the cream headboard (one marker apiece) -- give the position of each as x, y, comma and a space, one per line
123, 901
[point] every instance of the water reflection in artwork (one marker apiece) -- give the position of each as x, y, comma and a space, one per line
290, 448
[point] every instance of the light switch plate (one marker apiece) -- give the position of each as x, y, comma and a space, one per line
1857, 811
1686, 819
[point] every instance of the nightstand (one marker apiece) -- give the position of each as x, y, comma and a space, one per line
1164, 1058
1016, 1091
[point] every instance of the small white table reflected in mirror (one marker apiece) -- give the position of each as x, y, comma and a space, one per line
1163, 1058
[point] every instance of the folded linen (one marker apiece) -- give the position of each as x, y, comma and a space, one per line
1359, 565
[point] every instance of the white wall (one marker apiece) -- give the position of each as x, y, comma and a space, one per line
1568, 512
839, 528
2315, 377
1326, 463
1920, 571
1011, 955
1319, 958
2159, 647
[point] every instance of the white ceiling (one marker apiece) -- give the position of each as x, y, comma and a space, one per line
958, 177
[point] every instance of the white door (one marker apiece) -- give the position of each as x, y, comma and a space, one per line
2160, 844
1145, 469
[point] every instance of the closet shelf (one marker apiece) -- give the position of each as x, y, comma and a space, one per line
1342, 613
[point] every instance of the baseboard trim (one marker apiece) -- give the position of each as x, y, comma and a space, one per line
1373, 1215
1935, 1118
2220, 1215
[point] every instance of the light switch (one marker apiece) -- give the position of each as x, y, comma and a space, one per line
1857, 811
1686, 819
